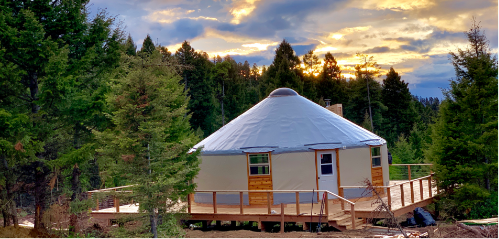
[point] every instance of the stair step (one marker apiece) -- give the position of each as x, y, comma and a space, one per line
357, 226
340, 218
336, 214
349, 222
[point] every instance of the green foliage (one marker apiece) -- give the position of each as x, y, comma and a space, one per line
485, 209
401, 116
147, 147
464, 136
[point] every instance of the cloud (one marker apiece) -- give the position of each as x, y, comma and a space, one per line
378, 49
183, 29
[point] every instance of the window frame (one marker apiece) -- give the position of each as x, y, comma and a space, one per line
327, 164
258, 164
373, 157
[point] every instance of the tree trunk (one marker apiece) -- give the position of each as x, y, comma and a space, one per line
10, 204
76, 188
33, 88
154, 223
6, 218
40, 194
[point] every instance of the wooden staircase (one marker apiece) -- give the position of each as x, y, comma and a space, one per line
343, 221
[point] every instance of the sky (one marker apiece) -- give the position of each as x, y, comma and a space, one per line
412, 36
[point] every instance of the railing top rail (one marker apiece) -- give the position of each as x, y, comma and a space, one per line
275, 191
342, 198
398, 184
415, 164
109, 189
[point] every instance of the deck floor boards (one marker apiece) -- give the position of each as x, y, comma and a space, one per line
305, 208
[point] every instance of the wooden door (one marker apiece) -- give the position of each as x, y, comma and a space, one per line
259, 178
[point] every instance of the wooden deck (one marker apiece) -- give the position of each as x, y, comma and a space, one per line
402, 196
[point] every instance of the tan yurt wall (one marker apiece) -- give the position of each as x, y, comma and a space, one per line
355, 166
222, 172
294, 171
384, 164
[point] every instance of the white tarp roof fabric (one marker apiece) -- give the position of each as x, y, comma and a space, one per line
286, 122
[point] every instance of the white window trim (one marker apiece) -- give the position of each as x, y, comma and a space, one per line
373, 157
258, 164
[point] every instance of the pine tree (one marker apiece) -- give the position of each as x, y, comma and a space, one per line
311, 62
147, 46
149, 143
61, 59
283, 71
130, 47
464, 137
401, 115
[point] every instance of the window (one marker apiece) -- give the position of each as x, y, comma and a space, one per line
376, 156
326, 164
259, 164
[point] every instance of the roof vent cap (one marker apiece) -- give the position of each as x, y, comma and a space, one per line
282, 92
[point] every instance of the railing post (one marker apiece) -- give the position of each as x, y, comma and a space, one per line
389, 195
214, 202
402, 194
352, 212
241, 202
268, 203
297, 203
327, 204
409, 170
282, 217
341, 201
116, 203
421, 188
412, 191
429, 187
189, 203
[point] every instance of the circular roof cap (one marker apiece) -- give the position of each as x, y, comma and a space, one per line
282, 92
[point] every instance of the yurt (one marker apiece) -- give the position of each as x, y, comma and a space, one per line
287, 142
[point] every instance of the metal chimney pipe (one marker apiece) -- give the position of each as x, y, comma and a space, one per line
328, 102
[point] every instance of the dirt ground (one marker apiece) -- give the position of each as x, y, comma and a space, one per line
256, 234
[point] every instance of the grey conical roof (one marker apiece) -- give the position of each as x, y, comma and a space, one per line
287, 122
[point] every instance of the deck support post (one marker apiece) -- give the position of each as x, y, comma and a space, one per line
402, 194
233, 224
305, 227
282, 217
218, 224
412, 191
421, 188
241, 202
409, 171
189, 206
389, 195
297, 203
215, 202
261, 226
352, 213
268, 203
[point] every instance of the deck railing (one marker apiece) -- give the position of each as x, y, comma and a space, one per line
269, 211
390, 188
409, 172
115, 200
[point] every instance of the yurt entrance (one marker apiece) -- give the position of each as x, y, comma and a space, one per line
327, 171
260, 177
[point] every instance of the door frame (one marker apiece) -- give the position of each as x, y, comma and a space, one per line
338, 180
